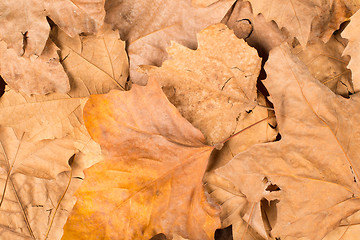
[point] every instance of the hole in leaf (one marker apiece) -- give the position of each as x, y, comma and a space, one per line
272, 188
224, 234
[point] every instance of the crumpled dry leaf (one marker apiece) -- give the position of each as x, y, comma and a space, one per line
351, 32
223, 67
149, 27
255, 30
326, 63
23, 24
41, 117
34, 206
95, 64
34, 75
332, 14
151, 180
311, 174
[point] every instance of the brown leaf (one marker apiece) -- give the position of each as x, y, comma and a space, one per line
312, 172
223, 67
95, 64
34, 75
150, 26
352, 34
150, 181
326, 63
23, 24
295, 15
203, 3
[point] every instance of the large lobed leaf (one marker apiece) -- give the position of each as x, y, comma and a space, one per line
312, 174
151, 179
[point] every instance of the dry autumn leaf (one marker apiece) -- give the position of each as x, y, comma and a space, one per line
95, 64
35, 75
353, 49
326, 64
223, 67
151, 179
149, 26
23, 24
311, 174
34, 208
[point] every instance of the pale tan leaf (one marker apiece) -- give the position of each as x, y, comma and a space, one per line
95, 64
41, 117
203, 3
23, 24
312, 172
295, 15
42, 159
30, 206
34, 75
353, 48
149, 26
349, 229
326, 64
223, 67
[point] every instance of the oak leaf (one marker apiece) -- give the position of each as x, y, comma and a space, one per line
23, 24
223, 67
311, 174
353, 48
34, 75
151, 178
95, 64
326, 63
295, 15
149, 27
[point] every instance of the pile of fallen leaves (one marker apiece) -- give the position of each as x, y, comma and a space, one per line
153, 119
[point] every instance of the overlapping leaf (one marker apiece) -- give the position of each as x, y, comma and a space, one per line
149, 27
312, 172
151, 179
223, 67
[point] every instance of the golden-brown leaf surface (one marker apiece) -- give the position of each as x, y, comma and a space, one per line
95, 64
311, 174
213, 85
23, 24
353, 48
150, 25
151, 179
34, 75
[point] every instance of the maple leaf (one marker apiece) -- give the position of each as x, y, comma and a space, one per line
353, 49
95, 64
151, 178
311, 174
149, 27
36, 75
23, 24
224, 67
